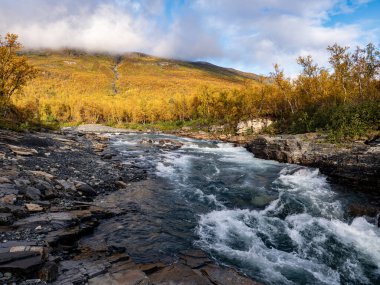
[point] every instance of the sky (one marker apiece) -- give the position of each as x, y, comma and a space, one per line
249, 35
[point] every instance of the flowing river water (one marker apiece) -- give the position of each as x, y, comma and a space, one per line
275, 222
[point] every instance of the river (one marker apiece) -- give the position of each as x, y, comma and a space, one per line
277, 223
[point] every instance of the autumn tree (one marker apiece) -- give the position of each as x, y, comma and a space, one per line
284, 87
15, 71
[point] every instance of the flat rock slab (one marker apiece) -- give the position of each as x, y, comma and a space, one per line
194, 258
178, 274
226, 276
23, 151
127, 277
20, 261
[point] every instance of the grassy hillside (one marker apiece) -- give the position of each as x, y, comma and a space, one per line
75, 87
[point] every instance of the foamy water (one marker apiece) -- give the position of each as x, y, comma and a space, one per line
278, 223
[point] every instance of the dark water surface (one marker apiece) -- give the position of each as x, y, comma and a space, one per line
278, 223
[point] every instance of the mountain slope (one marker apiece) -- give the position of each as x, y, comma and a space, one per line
74, 86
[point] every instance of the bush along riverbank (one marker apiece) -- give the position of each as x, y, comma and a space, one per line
56, 189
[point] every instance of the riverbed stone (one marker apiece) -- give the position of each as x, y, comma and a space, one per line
8, 199
23, 151
6, 219
86, 189
67, 185
4, 180
43, 174
33, 207
31, 193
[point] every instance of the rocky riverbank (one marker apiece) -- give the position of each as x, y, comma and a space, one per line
357, 163
56, 190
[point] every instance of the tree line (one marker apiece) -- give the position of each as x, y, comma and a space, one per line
342, 99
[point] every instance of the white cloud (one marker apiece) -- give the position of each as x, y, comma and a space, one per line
250, 34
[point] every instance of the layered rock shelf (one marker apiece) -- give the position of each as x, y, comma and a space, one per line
357, 163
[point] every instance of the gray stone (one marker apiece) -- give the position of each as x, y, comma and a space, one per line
86, 189
31, 193
22, 261
67, 185
6, 219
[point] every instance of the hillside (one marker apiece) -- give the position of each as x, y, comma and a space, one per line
75, 86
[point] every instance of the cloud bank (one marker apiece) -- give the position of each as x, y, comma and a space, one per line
246, 34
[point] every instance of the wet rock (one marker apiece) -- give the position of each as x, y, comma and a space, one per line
194, 258
86, 189
6, 219
33, 207
150, 268
226, 276
31, 193
163, 143
127, 277
178, 274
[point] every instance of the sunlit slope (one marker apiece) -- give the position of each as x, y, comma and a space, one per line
74, 86
144, 73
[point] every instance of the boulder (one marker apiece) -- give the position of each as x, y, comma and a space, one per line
252, 126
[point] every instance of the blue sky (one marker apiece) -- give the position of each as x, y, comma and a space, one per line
250, 35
